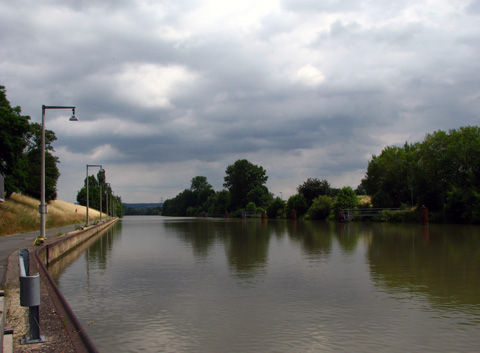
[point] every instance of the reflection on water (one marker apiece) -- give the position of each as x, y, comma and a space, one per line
159, 284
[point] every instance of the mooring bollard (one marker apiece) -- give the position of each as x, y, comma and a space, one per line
30, 296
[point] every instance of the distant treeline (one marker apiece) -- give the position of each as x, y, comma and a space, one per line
441, 173
142, 209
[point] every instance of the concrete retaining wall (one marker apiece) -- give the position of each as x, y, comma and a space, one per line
57, 248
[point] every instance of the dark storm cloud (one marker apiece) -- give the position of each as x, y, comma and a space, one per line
166, 91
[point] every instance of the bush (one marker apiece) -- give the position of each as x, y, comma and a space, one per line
298, 203
251, 207
407, 216
275, 208
321, 208
346, 198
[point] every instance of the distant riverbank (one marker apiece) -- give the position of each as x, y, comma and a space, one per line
19, 214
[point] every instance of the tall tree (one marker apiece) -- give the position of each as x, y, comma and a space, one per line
346, 198
313, 188
33, 156
14, 128
201, 190
390, 177
93, 193
241, 178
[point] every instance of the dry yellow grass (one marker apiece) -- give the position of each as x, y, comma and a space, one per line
365, 199
19, 214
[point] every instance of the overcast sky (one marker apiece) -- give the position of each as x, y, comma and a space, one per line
169, 90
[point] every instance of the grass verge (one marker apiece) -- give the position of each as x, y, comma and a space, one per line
19, 214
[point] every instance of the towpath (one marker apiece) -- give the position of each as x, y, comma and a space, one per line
11, 243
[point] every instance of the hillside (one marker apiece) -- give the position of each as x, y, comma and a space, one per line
19, 214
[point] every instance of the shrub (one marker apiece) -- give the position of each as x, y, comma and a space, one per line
321, 208
298, 203
275, 208
251, 207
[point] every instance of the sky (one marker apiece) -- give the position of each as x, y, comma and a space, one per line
168, 90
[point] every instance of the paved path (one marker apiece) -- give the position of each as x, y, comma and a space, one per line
15, 242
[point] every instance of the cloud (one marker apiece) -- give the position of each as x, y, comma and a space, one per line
166, 91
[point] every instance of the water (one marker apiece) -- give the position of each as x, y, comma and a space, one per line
156, 284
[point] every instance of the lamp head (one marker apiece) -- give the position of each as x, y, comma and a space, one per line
73, 117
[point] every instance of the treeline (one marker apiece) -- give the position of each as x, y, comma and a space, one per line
245, 191
110, 203
20, 153
442, 173
145, 211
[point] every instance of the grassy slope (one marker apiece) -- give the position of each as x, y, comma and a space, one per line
19, 214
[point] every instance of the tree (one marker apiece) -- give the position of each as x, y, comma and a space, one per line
260, 196
14, 128
218, 202
201, 190
241, 178
346, 198
321, 208
298, 203
179, 204
93, 193
275, 208
390, 177
33, 170
313, 188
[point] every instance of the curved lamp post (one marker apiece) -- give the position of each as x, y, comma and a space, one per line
94, 165
43, 207
107, 186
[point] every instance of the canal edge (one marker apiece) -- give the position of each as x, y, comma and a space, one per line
58, 322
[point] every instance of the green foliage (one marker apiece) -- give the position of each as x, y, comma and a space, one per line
198, 199
33, 170
463, 205
321, 208
402, 216
313, 188
147, 211
442, 172
219, 202
298, 203
241, 177
260, 196
275, 208
251, 207
94, 195
14, 129
346, 198
390, 176
201, 190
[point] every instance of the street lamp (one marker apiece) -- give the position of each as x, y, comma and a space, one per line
43, 207
94, 165
107, 186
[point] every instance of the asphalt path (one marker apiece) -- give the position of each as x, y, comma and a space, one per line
15, 242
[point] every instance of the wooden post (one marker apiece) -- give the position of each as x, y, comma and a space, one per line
424, 215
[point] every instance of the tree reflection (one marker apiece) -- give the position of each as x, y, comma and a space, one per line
201, 234
315, 237
247, 247
347, 236
441, 261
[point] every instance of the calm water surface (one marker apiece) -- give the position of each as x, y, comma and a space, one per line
157, 284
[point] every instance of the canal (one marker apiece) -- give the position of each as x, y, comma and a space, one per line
158, 284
